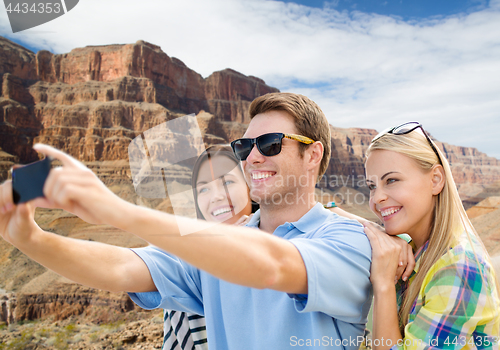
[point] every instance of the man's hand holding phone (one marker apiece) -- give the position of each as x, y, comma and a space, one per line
76, 189
72, 187
16, 222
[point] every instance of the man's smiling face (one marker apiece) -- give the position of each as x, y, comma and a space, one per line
271, 178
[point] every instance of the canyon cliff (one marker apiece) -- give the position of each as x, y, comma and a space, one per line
93, 101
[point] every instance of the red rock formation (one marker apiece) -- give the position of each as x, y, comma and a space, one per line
92, 101
230, 93
225, 94
16, 60
6, 163
66, 301
472, 170
348, 153
18, 125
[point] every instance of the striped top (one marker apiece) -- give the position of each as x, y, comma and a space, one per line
183, 331
458, 305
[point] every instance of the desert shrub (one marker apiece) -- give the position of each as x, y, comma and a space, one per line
19, 343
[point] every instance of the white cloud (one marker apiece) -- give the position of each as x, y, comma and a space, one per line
364, 70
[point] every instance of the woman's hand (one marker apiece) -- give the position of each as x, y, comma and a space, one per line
385, 258
76, 189
243, 220
406, 262
406, 259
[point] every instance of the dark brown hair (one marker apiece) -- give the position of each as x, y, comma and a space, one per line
211, 152
309, 119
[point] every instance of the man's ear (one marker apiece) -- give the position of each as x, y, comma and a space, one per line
315, 152
438, 179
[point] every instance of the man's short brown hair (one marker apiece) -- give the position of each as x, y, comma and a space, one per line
309, 119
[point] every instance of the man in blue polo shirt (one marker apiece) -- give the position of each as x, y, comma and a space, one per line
322, 298
301, 279
333, 310
326, 298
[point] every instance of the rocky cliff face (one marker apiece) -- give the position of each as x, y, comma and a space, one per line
67, 301
6, 163
472, 170
16, 60
485, 216
92, 101
346, 167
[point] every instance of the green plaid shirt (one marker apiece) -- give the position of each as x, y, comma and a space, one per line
458, 305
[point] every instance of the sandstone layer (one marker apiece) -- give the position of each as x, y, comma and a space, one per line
485, 216
93, 101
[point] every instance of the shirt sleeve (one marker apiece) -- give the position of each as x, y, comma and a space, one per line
178, 283
458, 308
337, 261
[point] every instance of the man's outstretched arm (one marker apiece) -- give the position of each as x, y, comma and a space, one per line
92, 264
235, 254
240, 255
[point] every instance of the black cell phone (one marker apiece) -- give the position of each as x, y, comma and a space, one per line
28, 180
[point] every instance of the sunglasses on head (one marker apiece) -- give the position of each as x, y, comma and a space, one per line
406, 128
268, 144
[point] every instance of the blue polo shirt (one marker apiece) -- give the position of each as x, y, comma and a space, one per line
337, 256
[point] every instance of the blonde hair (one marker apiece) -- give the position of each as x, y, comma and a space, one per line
449, 219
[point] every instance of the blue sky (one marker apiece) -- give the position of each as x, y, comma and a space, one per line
368, 64
406, 9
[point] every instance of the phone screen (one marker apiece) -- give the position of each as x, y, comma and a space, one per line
28, 181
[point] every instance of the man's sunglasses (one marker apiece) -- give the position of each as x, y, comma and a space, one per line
268, 144
406, 128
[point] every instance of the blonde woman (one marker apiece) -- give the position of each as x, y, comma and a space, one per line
451, 299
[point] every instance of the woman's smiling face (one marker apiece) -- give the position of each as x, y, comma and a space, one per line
401, 193
222, 193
